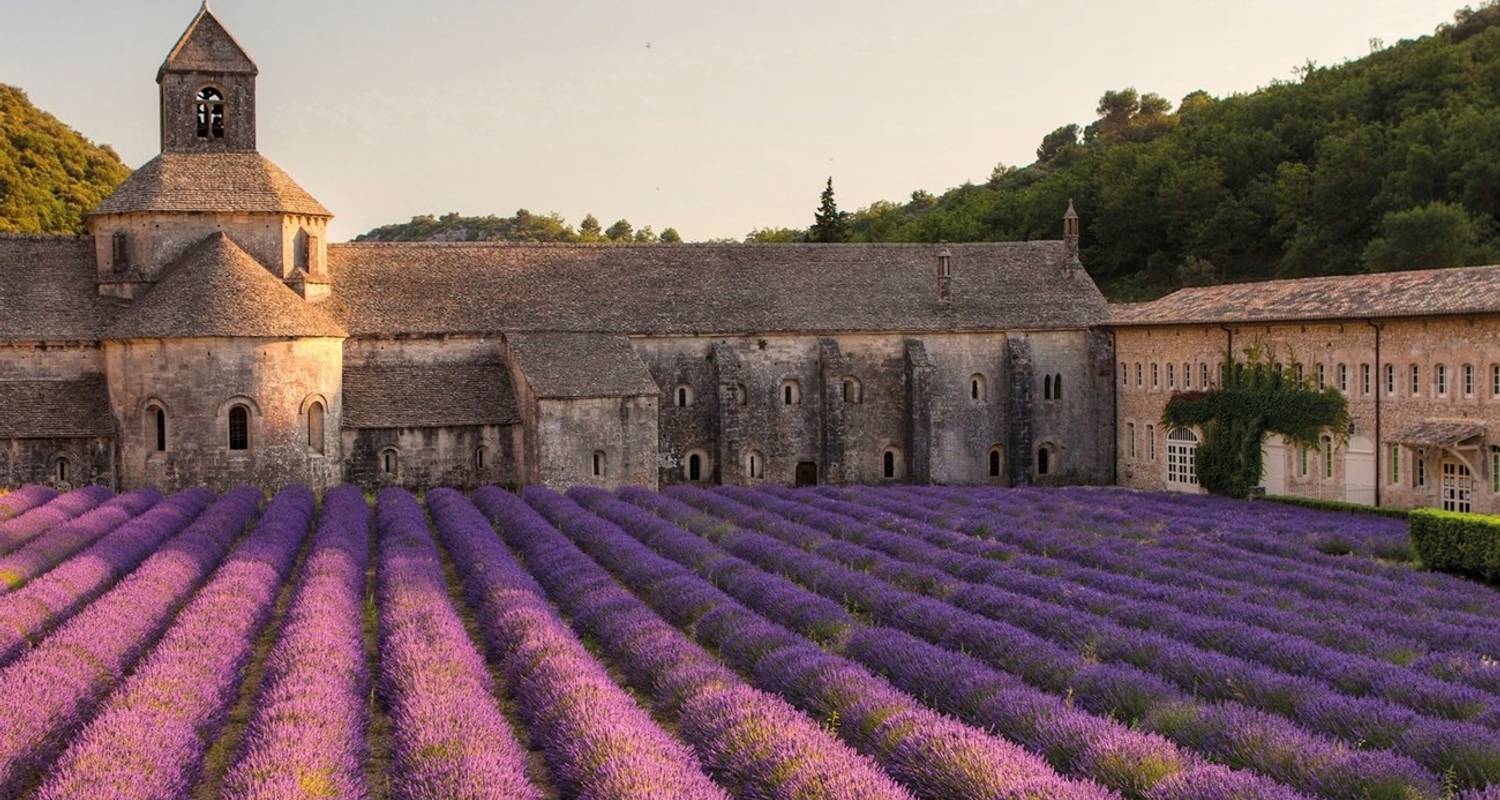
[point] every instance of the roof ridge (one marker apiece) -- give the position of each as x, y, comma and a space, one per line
1329, 278
204, 13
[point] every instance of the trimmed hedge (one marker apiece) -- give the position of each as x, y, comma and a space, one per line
1464, 544
1336, 505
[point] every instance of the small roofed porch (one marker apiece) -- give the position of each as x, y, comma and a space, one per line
1448, 460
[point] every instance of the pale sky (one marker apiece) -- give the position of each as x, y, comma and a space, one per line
713, 117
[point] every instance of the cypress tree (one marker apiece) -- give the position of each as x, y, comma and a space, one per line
829, 223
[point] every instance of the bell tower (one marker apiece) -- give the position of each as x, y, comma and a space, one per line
207, 91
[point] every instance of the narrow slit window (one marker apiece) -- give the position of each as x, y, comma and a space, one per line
315, 428
161, 430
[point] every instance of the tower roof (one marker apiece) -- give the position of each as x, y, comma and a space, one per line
217, 289
207, 46
227, 182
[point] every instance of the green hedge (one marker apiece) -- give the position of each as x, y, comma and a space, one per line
1464, 544
1336, 505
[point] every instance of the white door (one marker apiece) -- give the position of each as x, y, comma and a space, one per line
1458, 487
1182, 460
1273, 462
1359, 471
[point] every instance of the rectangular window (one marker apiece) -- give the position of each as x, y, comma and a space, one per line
1390, 380
1203, 375
1327, 457
1343, 373
1421, 471
1150, 442
1124, 375
1155, 375
1395, 467
1299, 373
1139, 381
1364, 379
1495, 381
1302, 462
1495, 470
1468, 380
1130, 438
1321, 377
1440, 380
1171, 376
1416, 380
1187, 376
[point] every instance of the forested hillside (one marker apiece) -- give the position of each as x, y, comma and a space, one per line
523, 226
50, 175
1391, 161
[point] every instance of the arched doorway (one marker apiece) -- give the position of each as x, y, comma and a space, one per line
1182, 460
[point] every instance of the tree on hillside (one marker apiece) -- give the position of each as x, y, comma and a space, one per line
775, 236
829, 224
1434, 235
50, 175
589, 230
621, 231
1054, 142
671, 236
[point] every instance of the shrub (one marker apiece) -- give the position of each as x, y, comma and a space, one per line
1337, 505
1465, 544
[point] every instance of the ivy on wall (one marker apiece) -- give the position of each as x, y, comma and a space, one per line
1256, 396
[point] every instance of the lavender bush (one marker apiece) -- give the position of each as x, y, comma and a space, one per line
22, 529
45, 551
24, 499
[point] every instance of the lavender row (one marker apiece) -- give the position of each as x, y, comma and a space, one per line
597, 741
1450, 642
24, 499
22, 529
1353, 674
149, 739
53, 689
935, 756
46, 551
29, 612
451, 739
1226, 732
308, 732
750, 741
1468, 751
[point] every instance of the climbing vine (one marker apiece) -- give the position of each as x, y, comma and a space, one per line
1256, 396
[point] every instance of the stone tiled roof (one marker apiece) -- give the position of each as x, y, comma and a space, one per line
47, 409
48, 289
215, 182
1439, 432
418, 288
1465, 290
581, 365
217, 289
208, 46
428, 396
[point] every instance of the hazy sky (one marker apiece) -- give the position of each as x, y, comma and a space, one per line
713, 117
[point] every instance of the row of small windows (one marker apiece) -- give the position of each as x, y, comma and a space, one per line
1171, 372
1444, 381
852, 391
238, 427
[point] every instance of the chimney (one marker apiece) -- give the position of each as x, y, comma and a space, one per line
945, 276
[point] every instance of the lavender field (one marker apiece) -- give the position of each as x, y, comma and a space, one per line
897, 642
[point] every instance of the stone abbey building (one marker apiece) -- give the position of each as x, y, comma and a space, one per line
206, 332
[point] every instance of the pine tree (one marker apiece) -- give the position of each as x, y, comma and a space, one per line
589, 230
829, 223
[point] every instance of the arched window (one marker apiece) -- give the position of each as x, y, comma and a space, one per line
1187, 375
755, 464
1326, 445
1171, 376
599, 464
1139, 381
239, 428
1047, 388
1182, 458
315, 441
158, 428
854, 392
1468, 379
1124, 374
996, 460
741, 395
695, 467
1057, 386
390, 463
791, 393
481, 458
120, 251
889, 465
1440, 379
1044, 460
684, 396
1203, 376
62, 469
210, 107
979, 389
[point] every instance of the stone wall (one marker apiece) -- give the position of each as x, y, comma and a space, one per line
49, 361
197, 381
179, 124
623, 429
1425, 343
88, 461
155, 240
424, 458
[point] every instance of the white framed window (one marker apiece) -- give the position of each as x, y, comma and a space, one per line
1204, 378
1150, 442
1416, 380
1395, 465
1495, 381
1364, 379
1322, 377
1458, 487
1327, 448
1171, 376
1440, 379
1495, 470
1155, 375
1302, 461
1187, 376
1124, 374
1300, 376
1182, 458
1468, 379
1390, 380
1139, 380
1421, 470
1341, 372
